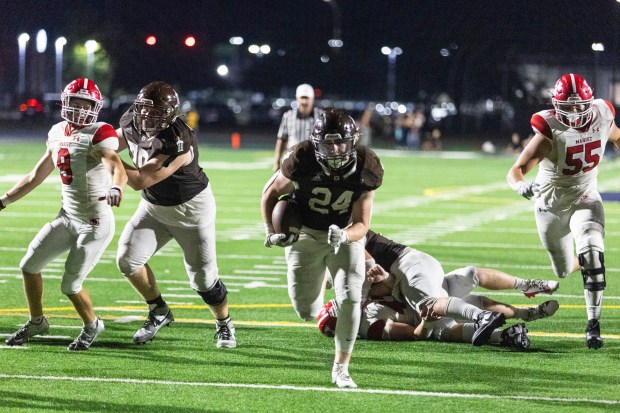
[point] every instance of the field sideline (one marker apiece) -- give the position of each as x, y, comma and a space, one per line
455, 206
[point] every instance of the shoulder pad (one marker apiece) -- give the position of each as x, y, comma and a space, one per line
127, 118
606, 108
299, 161
372, 170
176, 139
540, 124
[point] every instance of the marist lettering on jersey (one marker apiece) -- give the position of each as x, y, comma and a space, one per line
584, 140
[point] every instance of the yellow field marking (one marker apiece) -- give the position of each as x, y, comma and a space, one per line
573, 306
142, 307
179, 320
240, 306
74, 316
570, 335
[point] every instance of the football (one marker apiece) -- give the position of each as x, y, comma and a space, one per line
285, 216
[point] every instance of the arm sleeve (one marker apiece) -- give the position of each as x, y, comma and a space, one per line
540, 125
106, 137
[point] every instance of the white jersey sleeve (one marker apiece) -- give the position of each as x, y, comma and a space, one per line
76, 154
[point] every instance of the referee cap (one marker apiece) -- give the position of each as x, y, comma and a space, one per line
304, 91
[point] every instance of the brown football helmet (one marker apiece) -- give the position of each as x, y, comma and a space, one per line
335, 136
155, 108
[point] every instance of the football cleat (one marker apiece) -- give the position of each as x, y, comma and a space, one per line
515, 336
28, 331
546, 309
87, 337
485, 324
342, 378
225, 336
533, 287
593, 335
152, 325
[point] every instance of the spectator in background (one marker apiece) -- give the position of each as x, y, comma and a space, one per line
432, 142
192, 117
415, 122
514, 147
296, 124
365, 128
401, 130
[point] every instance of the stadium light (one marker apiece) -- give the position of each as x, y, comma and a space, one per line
59, 45
190, 41
391, 53
222, 70
91, 48
41, 41
22, 41
151, 40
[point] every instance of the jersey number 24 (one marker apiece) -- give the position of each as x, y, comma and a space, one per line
323, 200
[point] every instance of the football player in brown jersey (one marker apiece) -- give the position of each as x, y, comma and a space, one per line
333, 181
177, 203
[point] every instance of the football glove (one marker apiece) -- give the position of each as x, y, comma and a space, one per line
4, 201
113, 197
279, 240
376, 274
336, 236
527, 189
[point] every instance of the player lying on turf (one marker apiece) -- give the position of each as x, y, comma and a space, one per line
419, 281
384, 317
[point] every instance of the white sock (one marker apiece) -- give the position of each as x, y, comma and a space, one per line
340, 366
519, 284
37, 319
459, 309
91, 326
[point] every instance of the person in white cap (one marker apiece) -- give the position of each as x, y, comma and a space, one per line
296, 123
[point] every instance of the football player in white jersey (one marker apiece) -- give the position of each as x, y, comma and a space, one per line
568, 144
84, 152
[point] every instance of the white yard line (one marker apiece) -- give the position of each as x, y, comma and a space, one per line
287, 388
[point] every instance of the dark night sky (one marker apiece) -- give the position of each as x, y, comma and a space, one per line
487, 33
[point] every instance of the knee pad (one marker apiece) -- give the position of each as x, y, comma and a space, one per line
124, 266
593, 270
70, 285
216, 295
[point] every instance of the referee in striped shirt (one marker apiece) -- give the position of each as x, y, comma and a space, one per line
296, 123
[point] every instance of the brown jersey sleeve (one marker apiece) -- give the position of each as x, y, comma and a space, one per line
300, 162
372, 169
